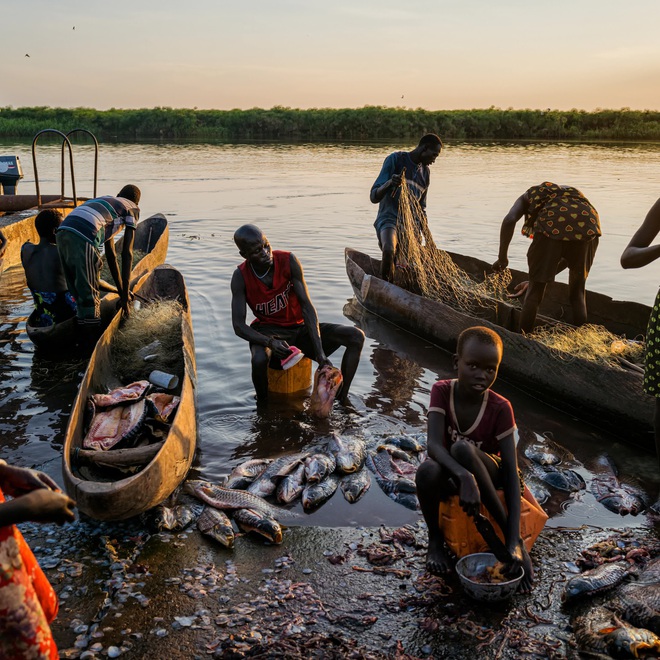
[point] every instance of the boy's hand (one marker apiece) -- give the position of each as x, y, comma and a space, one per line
395, 181
280, 348
17, 481
501, 264
46, 506
519, 290
469, 496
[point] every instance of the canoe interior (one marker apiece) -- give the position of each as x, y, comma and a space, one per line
106, 494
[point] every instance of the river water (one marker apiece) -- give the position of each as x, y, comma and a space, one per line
314, 201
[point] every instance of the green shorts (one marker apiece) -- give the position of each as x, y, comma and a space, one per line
652, 368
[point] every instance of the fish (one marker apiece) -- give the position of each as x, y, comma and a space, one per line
216, 524
327, 381
545, 451
227, 498
535, 484
174, 518
349, 453
639, 602
589, 629
164, 404
407, 442
612, 494
121, 395
626, 641
409, 500
355, 485
387, 475
560, 478
595, 580
315, 494
266, 483
245, 473
397, 453
118, 425
250, 520
318, 466
292, 485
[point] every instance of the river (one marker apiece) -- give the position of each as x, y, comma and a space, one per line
313, 199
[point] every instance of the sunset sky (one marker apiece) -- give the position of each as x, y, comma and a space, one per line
435, 54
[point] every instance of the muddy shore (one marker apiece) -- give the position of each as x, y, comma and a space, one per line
127, 591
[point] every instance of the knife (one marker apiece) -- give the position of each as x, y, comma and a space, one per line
485, 528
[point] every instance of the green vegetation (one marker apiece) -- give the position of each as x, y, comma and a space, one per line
368, 123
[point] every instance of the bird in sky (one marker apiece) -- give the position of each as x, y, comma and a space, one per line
401, 95
74, 27
26, 55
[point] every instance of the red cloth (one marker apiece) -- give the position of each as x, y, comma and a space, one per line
494, 422
27, 601
278, 305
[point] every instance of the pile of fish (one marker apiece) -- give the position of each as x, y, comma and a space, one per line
128, 417
627, 624
611, 493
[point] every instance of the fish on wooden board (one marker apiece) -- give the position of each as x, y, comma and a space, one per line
266, 483
121, 395
350, 453
120, 425
596, 580
216, 524
355, 485
245, 473
315, 494
227, 498
318, 466
175, 518
327, 381
611, 493
292, 486
252, 520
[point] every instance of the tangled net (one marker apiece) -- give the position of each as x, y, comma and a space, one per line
160, 320
431, 272
590, 342
105, 270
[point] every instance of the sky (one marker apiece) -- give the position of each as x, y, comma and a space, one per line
433, 54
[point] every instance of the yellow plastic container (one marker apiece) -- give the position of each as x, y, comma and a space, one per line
295, 379
462, 536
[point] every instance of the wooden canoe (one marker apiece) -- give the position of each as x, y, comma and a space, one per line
607, 397
103, 499
151, 237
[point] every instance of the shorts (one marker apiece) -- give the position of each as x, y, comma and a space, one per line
81, 263
298, 336
652, 367
545, 253
498, 461
384, 223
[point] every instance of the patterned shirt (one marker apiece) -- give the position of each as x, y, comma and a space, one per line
560, 212
493, 423
98, 220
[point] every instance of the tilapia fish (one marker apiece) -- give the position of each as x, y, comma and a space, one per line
626, 641
327, 381
174, 518
318, 467
596, 580
216, 524
560, 478
545, 451
349, 453
591, 630
266, 483
227, 498
131, 392
164, 404
292, 485
355, 485
615, 496
639, 604
245, 473
388, 476
120, 424
250, 520
317, 493
407, 442
409, 500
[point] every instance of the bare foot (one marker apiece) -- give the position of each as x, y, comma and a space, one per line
528, 580
437, 559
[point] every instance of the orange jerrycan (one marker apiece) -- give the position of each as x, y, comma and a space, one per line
462, 536
296, 379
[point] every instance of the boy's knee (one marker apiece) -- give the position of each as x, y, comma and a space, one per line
428, 474
462, 451
259, 359
355, 338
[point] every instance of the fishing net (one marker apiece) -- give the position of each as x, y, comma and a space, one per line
105, 270
431, 272
591, 342
156, 326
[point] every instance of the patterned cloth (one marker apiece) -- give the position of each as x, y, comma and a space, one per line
560, 212
652, 368
27, 601
51, 307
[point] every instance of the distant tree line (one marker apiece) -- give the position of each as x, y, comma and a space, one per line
318, 124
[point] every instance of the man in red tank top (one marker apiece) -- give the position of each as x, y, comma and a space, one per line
272, 284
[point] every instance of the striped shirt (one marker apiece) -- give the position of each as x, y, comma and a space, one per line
98, 220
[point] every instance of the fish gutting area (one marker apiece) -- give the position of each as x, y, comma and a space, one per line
127, 590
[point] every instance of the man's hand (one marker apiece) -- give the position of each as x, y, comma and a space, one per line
469, 496
519, 290
501, 264
125, 304
323, 361
46, 506
17, 481
279, 348
395, 181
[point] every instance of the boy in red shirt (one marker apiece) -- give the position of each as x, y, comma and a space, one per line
471, 449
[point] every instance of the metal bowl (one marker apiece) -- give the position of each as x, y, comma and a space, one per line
471, 566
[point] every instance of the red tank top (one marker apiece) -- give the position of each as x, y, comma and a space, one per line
278, 305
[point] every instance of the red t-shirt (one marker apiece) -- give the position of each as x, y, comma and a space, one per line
494, 421
278, 305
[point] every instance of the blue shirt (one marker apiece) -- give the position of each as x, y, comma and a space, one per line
418, 177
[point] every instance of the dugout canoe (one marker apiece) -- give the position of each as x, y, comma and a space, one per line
152, 238
96, 495
610, 398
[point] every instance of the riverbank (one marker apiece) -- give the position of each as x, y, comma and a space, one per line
341, 592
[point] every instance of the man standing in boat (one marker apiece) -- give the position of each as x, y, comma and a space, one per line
79, 240
271, 283
564, 228
385, 193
